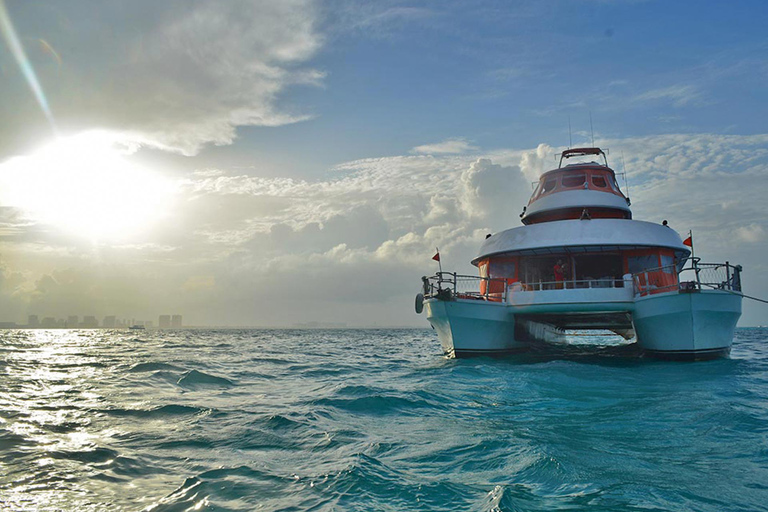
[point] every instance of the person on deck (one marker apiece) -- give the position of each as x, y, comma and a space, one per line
559, 271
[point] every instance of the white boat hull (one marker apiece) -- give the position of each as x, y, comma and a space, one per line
473, 327
673, 325
687, 325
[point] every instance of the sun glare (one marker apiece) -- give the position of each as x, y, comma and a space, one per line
87, 185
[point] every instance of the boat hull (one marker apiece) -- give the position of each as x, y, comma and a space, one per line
467, 328
677, 325
687, 326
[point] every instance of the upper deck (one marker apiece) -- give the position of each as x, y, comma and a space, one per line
576, 190
574, 236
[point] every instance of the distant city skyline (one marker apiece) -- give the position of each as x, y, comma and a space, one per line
91, 322
272, 163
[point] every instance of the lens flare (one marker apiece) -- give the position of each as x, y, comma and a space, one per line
14, 44
47, 48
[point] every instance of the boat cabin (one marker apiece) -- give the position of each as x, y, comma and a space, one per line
577, 190
579, 269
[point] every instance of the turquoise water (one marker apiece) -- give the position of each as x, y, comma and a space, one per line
372, 420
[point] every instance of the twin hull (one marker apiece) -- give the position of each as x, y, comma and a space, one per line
673, 325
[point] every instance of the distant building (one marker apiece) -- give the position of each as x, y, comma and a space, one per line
109, 322
149, 324
73, 321
164, 322
48, 323
176, 321
90, 322
33, 321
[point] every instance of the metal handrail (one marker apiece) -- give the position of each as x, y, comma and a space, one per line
721, 276
602, 282
450, 285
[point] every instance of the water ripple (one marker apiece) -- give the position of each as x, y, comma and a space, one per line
365, 420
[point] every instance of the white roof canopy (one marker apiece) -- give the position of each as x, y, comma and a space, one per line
572, 236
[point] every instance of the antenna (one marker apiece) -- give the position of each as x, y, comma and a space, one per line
591, 129
570, 138
624, 168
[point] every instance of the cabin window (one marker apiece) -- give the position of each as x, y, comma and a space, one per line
599, 181
574, 180
538, 272
501, 269
549, 185
637, 264
668, 263
598, 270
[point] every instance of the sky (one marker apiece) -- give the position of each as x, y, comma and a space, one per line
262, 163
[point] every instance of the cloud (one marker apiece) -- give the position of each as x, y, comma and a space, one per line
173, 75
752, 233
241, 250
535, 163
492, 191
678, 95
449, 146
374, 19
453, 201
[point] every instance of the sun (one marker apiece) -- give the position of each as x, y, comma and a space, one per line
88, 185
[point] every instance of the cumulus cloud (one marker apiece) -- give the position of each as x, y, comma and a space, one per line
411, 204
173, 75
490, 190
243, 250
449, 146
535, 163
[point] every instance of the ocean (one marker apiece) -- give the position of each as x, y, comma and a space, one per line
372, 420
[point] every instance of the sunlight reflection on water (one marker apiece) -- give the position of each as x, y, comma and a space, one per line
372, 420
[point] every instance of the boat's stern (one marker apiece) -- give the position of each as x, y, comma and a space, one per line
695, 320
472, 327
469, 316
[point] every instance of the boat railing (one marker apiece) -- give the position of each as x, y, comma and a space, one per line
450, 285
571, 284
692, 278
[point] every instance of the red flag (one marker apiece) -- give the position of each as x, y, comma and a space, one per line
688, 241
436, 257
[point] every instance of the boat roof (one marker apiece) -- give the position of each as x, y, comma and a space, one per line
569, 236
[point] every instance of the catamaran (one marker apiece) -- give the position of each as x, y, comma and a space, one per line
580, 261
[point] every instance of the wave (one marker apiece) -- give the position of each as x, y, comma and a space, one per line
153, 367
11, 440
159, 412
94, 455
238, 488
378, 404
340, 428
194, 379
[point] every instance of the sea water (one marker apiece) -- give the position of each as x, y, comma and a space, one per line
372, 420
